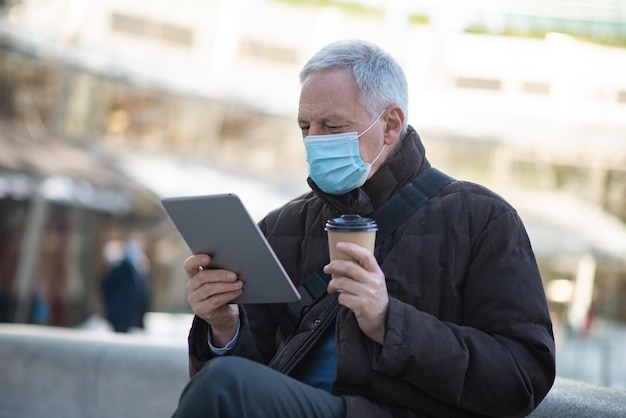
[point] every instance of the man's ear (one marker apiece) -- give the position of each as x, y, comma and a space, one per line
394, 121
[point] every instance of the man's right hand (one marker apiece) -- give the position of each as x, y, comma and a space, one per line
209, 293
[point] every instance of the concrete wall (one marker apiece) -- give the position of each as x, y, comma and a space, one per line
59, 373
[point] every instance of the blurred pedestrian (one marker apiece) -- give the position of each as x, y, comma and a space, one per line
125, 285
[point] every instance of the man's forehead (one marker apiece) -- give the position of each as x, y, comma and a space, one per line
329, 96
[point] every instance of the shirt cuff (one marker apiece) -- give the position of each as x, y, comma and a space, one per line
228, 347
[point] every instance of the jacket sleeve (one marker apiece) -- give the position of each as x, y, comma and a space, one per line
499, 360
200, 353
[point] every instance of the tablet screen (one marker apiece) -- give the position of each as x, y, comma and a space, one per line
220, 225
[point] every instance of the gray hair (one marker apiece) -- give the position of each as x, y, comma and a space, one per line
378, 76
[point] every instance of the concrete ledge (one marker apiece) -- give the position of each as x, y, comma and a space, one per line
58, 373
61, 373
571, 398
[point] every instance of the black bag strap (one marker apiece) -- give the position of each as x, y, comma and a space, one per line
389, 216
399, 208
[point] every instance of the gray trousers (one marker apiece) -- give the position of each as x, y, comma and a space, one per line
235, 387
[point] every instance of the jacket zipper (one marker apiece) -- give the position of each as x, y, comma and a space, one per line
311, 339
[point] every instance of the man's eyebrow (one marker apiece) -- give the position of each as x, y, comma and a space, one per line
333, 117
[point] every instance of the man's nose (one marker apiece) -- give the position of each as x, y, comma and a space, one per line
317, 129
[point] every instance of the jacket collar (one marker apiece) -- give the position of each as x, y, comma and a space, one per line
398, 170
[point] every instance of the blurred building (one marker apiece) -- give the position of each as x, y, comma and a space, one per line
527, 97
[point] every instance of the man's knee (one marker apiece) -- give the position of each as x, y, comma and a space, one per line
237, 387
220, 384
229, 371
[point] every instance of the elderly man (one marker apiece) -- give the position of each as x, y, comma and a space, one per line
447, 317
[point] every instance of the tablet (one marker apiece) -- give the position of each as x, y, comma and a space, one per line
220, 225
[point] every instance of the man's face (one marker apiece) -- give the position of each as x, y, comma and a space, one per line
330, 104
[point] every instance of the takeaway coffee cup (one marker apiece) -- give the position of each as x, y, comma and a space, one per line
350, 228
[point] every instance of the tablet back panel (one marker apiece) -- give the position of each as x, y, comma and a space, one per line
220, 225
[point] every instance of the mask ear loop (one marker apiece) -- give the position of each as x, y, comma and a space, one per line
372, 125
379, 154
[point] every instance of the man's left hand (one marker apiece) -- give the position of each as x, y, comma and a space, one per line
362, 288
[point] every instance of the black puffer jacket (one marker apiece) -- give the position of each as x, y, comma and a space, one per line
468, 331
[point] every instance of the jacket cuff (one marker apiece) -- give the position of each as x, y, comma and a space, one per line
394, 338
199, 351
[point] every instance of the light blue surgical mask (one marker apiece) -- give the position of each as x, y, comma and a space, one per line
335, 164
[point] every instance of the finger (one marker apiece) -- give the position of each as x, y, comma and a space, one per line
204, 276
350, 269
227, 297
349, 296
344, 284
334, 286
213, 297
364, 257
211, 289
193, 263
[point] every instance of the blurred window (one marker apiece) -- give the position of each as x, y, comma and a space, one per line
161, 31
